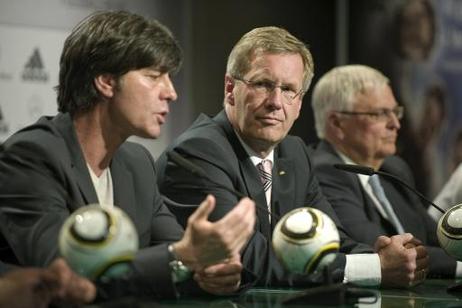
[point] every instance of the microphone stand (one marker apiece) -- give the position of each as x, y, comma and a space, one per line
370, 171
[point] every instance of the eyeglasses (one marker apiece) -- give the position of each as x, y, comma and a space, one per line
383, 114
266, 87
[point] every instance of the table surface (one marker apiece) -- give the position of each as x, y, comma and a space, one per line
432, 293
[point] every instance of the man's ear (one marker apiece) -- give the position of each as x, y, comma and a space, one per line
334, 125
229, 87
105, 84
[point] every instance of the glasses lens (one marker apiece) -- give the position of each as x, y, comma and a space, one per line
398, 111
266, 88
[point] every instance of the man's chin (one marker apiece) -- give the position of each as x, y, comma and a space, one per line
153, 134
269, 140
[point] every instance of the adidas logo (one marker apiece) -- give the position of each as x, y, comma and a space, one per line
33, 70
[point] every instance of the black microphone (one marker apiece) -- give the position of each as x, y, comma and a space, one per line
197, 170
370, 171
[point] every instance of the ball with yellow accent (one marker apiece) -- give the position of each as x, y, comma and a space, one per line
98, 242
449, 231
305, 240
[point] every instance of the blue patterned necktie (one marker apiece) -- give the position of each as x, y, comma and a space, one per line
377, 188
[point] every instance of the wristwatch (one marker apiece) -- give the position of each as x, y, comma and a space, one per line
179, 271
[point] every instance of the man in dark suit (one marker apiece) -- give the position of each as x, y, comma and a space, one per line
114, 83
268, 72
357, 120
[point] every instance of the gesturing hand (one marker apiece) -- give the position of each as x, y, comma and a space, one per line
205, 243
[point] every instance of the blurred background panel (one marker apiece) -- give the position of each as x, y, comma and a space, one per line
32, 34
417, 43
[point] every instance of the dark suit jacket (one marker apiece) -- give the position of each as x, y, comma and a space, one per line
213, 145
44, 178
360, 216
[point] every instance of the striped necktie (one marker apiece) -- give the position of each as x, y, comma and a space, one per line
264, 169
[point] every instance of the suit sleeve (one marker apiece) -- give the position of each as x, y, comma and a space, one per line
33, 203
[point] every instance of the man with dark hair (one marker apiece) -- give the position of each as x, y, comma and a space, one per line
268, 72
114, 82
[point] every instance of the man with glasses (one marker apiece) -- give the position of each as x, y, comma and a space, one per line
357, 120
246, 148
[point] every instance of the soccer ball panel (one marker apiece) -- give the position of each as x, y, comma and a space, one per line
95, 239
305, 240
449, 231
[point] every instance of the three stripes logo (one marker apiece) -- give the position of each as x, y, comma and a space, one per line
34, 69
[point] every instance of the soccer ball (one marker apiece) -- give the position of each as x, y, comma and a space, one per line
98, 242
449, 231
305, 240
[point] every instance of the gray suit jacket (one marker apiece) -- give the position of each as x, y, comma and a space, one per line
212, 144
360, 216
44, 178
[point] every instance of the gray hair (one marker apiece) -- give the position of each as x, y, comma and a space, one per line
336, 90
268, 40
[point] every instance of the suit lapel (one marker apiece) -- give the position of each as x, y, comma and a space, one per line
249, 174
283, 185
78, 164
368, 204
121, 178
122, 181
255, 191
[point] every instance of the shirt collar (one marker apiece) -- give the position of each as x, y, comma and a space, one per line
364, 179
252, 154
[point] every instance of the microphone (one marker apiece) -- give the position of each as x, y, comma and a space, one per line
194, 169
197, 170
370, 171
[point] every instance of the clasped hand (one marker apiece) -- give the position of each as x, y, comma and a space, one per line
404, 260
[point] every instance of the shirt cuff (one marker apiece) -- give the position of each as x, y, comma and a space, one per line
459, 269
363, 269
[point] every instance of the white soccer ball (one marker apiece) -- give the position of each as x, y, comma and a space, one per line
449, 231
98, 242
305, 240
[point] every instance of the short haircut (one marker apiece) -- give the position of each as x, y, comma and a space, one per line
336, 91
111, 43
271, 40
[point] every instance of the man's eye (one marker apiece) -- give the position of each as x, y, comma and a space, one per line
263, 84
287, 89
